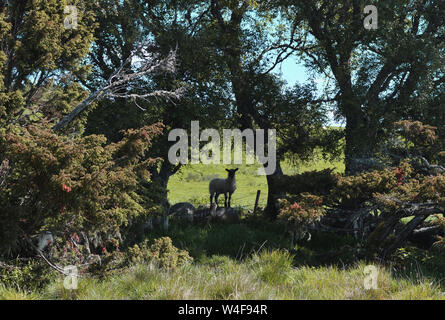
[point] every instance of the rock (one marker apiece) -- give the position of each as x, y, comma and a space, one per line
202, 214
182, 210
226, 214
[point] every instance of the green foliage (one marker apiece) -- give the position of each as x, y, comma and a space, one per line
273, 267
351, 192
161, 252
407, 40
30, 276
413, 140
68, 185
199, 201
316, 182
7, 293
229, 279
298, 215
416, 263
36, 46
233, 240
416, 189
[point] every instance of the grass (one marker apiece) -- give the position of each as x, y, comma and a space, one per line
8, 293
192, 182
249, 260
265, 275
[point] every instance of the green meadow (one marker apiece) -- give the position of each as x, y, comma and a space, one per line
191, 183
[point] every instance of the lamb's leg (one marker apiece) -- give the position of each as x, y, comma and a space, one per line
225, 199
230, 197
211, 200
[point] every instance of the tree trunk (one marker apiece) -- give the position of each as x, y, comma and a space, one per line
162, 177
273, 193
360, 141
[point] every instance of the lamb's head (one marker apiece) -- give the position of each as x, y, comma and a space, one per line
232, 172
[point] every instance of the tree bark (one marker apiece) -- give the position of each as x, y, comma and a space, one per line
162, 177
273, 193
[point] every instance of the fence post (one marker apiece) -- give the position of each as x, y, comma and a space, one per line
256, 201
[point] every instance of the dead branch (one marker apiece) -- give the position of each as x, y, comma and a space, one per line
41, 255
140, 65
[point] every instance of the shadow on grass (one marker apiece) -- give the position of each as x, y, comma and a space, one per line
255, 233
234, 240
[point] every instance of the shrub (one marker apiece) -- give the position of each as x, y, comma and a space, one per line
315, 182
417, 139
25, 276
51, 182
162, 252
351, 192
299, 215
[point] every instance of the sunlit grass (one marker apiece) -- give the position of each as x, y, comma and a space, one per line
192, 182
266, 275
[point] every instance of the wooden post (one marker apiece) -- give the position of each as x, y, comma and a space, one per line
256, 201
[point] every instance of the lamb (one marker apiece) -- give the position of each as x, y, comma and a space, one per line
226, 186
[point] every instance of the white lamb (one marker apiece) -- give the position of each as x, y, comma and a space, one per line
226, 186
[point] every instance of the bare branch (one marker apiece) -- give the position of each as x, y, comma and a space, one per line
122, 82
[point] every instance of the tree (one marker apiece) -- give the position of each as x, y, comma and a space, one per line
51, 182
374, 73
42, 67
259, 98
37, 57
169, 24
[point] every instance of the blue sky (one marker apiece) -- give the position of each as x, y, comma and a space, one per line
294, 71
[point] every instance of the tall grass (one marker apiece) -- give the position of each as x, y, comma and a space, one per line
268, 274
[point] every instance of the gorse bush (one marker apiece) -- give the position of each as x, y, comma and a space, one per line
416, 139
51, 182
372, 204
351, 192
162, 252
